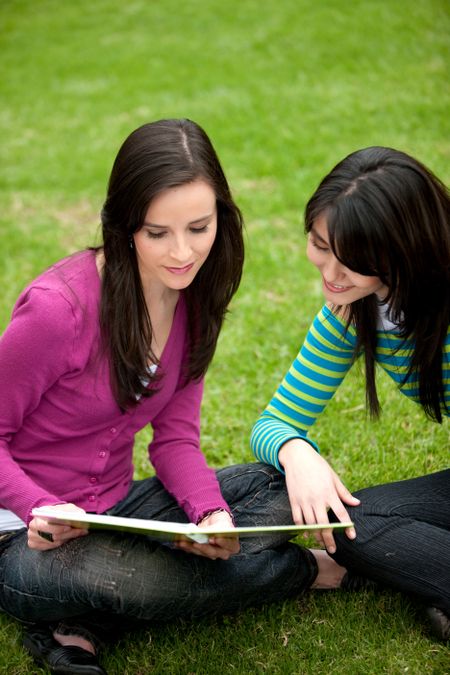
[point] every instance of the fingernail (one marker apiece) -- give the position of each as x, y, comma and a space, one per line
332, 549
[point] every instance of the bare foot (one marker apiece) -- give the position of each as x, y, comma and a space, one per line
74, 641
330, 574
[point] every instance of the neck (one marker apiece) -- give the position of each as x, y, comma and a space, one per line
157, 297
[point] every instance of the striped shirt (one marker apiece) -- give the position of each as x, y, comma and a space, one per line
320, 367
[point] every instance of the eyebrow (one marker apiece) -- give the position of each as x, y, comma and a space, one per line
197, 221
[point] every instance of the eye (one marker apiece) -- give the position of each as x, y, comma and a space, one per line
320, 247
155, 235
199, 230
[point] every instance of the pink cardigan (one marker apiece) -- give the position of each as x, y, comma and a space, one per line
62, 436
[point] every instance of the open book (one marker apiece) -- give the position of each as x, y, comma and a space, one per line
169, 531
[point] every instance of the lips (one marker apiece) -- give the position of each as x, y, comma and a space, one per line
180, 270
336, 288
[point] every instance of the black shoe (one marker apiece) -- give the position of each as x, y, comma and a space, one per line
60, 660
440, 623
353, 582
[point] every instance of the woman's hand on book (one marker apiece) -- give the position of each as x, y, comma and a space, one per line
313, 488
43, 534
218, 547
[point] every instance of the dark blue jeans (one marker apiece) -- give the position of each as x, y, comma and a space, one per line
403, 537
98, 580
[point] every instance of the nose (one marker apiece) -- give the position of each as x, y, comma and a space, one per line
334, 270
180, 249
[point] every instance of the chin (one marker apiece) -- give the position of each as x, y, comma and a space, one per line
180, 285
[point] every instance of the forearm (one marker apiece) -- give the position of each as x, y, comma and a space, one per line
270, 435
175, 453
18, 492
183, 471
308, 386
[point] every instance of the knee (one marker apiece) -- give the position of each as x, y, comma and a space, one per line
247, 479
370, 520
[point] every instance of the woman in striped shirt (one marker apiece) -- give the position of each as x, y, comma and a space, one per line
378, 230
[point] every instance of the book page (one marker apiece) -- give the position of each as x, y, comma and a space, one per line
170, 531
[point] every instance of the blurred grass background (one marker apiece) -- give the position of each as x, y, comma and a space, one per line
285, 89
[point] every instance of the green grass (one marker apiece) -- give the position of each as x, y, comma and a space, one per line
285, 89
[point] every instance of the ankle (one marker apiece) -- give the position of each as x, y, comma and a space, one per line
74, 641
329, 573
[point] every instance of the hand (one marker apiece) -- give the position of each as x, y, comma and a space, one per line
59, 533
313, 488
218, 547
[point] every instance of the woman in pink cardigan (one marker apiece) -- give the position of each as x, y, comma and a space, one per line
100, 345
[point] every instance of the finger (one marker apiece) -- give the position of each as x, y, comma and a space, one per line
51, 537
204, 550
297, 512
318, 537
230, 544
342, 514
39, 544
48, 529
298, 516
344, 494
217, 547
185, 546
296, 509
182, 545
308, 515
326, 536
214, 551
71, 533
309, 518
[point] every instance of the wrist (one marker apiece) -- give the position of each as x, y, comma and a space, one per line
292, 448
211, 513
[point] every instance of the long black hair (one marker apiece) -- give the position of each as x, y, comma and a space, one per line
155, 157
388, 216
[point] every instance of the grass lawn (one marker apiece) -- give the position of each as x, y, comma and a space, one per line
285, 88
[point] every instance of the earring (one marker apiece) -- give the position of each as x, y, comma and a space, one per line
130, 241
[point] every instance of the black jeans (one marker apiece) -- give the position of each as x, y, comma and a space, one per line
96, 581
403, 537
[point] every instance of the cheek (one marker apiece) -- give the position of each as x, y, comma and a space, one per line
146, 249
368, 284
208, 242
372, 284
311, 254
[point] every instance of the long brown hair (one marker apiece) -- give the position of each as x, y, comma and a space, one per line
155, 157
389, 216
